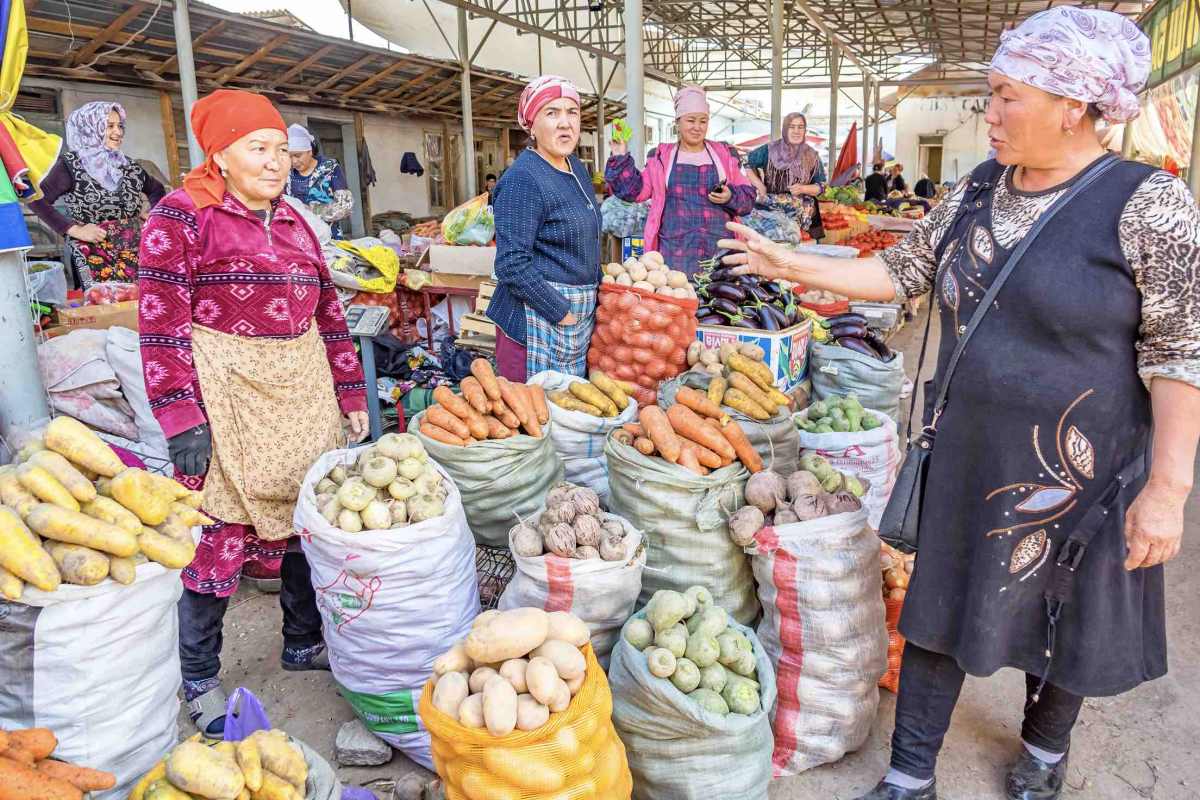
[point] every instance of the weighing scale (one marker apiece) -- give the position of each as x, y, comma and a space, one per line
364, 324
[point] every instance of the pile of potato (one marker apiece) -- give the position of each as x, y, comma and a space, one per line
689, 641
98, 518
739, 378
599, 396
266, 765
820, 297
514, 670
650, 273
693, 433
897, 570
392, 484
815, 490
572, 526
489, 407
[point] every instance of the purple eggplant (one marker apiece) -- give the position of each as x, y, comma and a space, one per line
742, 322
727, 291
876, 341
858, 345
724, 306
712, 319
847, 318
839, 329
765, 320
777, 316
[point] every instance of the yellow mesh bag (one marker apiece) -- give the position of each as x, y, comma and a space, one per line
574, 756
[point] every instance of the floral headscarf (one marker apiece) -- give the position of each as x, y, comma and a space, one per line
86, 129
540, 91
1097, 57
787, 156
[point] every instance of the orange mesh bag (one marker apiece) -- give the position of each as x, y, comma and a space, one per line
574, 756
891, 678
641, 337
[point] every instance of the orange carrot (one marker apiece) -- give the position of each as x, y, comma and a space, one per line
83, 778
736, 437
505, 414
481, 368
496, 428
705, 456
538, 397
659, 429
515, 399
22, 782
473, 391
441, 434
644, 446
687, 460
687, 423
633, 428
436, 415
38, 741
461, 409
698, 402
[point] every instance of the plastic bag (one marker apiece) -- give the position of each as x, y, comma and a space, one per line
641, 337
775, 225
48, 282
678, 750
895, 651
837, 370
110, 292
371, 587
685, 519
498, 479
601, 593
56, 650
470, 223
873, 455
576, 754
364, 265
579, 438
822, 626
623, 219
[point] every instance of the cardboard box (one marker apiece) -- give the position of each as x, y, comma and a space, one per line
786, 350
99, 317
452, 260
447, 280
632, 248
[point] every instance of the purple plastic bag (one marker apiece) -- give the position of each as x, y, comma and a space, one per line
357, 793
244, 715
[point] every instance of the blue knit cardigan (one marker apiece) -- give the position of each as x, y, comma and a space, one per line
546, 230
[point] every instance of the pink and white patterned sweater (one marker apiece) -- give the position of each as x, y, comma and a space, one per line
228, 269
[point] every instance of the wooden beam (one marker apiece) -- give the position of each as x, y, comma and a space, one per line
399, 90
197, 44
376, 78
505, 147
170, 141
361, 143
333, 79
316, 56
250, 60
86, 52
427, 92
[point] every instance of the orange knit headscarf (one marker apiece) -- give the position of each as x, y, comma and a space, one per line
219, 120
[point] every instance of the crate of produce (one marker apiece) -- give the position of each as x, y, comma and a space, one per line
786, 351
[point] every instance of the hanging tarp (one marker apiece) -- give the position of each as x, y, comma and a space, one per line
847, 162
1164, 128
35, 150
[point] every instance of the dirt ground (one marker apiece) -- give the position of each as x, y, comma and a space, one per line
1144, 744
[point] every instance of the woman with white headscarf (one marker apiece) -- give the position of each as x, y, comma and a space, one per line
1043, 524
318, 181
102, 189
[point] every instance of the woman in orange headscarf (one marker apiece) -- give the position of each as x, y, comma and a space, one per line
249, 368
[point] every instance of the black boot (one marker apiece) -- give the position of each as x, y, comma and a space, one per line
887, 791
1033, 779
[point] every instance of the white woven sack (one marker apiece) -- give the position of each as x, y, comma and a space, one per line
99, 666
871, 455
391, 602
579, 438
823, 628
601, 593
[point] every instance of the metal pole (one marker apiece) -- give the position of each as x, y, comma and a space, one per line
1194, 164
187, 76
22, 396
600, 121
876, 147
834, 68
635, 101
350, 18
866, 129
464, 58
776, 66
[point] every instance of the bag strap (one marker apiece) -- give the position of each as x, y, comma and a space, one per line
1087, 179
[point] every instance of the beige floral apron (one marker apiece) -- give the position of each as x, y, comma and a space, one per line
272, 411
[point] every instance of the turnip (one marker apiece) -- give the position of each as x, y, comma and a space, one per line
423, 507
665, 609
742, 698
745, 663
331, 510
379, 471
744, 524
674, 639
400, 446
376, 516
702, 650
401, 489
639, 633
802, 482
661, 662
355, 494
337, 474
587, 551
710, 701
409, 469
713, 621
786, 516
701, 596
399, 512
349, 521
765, 490
713, 677
686, 676
364, 455
326, 486
428, 483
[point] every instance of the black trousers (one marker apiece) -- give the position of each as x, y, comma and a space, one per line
201, 618
929, 687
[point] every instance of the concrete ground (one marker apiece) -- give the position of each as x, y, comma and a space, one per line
1144, 744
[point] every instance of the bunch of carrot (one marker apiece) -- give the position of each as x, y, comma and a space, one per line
693, 433
28, 773
489, 407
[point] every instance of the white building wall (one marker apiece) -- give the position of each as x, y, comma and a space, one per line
958, 119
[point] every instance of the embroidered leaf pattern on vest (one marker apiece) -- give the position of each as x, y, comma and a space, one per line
1080, 453
1027, 551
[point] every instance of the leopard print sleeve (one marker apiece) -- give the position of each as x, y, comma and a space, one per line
911, 263
1160, 238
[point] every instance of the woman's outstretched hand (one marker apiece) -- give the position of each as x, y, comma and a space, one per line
755, 254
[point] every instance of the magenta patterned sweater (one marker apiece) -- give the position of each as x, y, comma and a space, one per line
229, 270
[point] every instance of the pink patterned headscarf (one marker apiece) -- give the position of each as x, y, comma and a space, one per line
690, 100
540, 91
86, 130
1085, 54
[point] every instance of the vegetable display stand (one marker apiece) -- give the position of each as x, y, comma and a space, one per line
371, 586
575, 754
822, 626
786, 351
641, 337
891, 678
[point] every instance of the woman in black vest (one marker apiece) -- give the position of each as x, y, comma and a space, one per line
1087, 359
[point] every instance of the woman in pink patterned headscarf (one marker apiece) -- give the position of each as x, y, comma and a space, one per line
1042, 525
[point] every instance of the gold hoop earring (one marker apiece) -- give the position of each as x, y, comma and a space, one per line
1070, 131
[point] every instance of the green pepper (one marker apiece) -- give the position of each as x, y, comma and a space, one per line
841, 425
837, 413
854, 416
818, 409
870, 423
823, 429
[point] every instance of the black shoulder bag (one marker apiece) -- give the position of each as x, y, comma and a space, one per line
901, 519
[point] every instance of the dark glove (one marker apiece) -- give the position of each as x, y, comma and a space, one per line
191, 450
